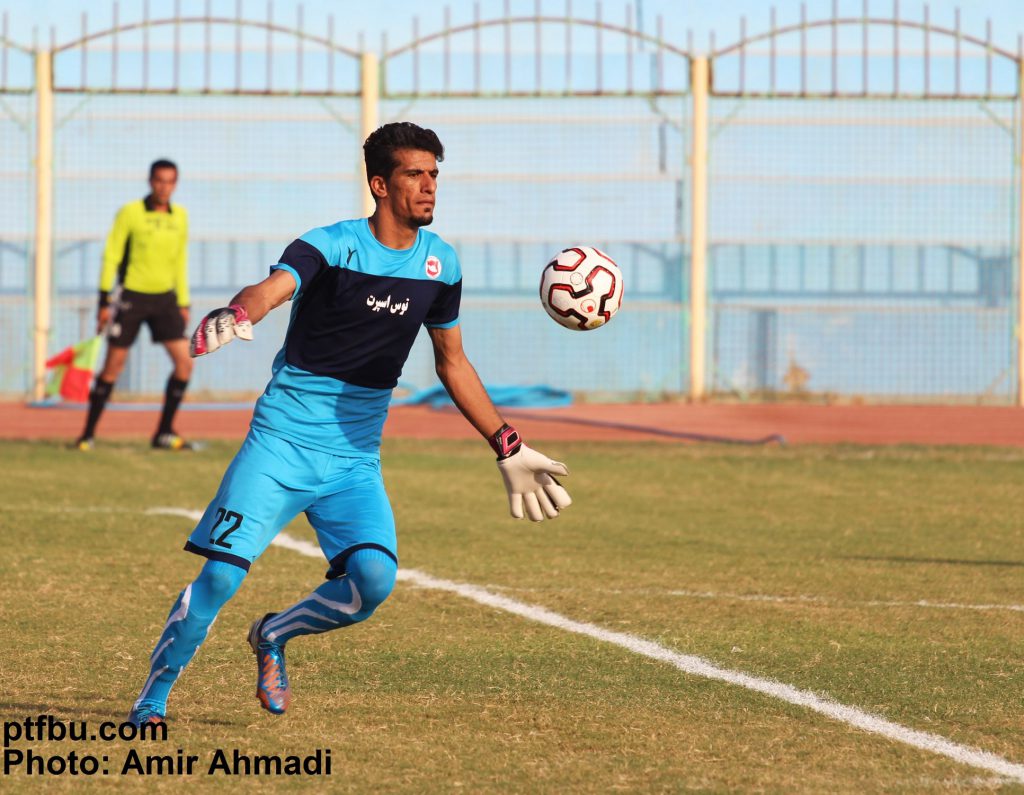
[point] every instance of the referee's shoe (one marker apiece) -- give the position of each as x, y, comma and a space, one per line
171, 441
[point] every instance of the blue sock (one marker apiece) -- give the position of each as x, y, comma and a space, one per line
186, 629
368, 580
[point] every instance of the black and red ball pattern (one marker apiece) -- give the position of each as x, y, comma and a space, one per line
581, 288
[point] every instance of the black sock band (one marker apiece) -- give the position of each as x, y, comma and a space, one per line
97, 402
172, 399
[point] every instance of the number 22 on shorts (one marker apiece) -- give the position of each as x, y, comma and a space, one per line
234, 521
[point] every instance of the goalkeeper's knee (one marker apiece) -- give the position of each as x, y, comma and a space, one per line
373, 573
214, 586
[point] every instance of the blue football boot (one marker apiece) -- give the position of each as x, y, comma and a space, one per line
271, 678
144, 714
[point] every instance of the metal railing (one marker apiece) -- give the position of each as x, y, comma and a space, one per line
512, 58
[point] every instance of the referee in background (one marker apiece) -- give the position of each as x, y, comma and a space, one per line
147, 253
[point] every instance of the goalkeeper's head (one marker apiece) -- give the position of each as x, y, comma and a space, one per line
401, 168
379, 149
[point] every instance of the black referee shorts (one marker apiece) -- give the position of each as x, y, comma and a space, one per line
159, 311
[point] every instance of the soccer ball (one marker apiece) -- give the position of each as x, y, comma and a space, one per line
581, 288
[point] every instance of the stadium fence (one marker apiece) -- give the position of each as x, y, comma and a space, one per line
828, 209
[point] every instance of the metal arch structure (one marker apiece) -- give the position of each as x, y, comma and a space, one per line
538, 21
7, 44
982, 46
693, 70
207, 21
46, 86
865, 23
691, 76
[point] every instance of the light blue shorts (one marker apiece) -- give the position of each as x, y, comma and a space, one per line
272, 480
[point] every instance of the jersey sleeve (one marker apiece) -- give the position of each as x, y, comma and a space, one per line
444, 312
113, 252
306, 257
181, 264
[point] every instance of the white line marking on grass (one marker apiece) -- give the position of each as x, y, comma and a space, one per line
282, 540
68, 509
690, 664
700, 667
818, 601
298, 545
947, 605
195, 516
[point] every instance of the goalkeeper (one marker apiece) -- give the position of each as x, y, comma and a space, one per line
360, 291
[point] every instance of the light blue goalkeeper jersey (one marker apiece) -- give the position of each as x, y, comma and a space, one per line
356, 312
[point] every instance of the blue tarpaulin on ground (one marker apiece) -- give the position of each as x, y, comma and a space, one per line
526, 397
534, 397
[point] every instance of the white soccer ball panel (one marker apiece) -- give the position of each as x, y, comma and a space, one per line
581, 288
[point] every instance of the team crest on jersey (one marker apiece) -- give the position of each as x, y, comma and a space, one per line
433, 267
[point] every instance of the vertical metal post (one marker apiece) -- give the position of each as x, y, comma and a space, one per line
113, 47
330, 54
743, 50
927, 53
700, 84
865, 50
629, 49
416, 55
299, 57
145, 44
369, 111
447, 50
508, 48
177, 44
3, 54
207, 48
568, 46
476, 47
44, 220
85, 52
238, 46
803, 48
1020, 233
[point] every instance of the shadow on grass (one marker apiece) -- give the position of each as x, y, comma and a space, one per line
939, 561
20, 711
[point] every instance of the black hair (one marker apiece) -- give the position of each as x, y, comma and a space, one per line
161, 164
379, 149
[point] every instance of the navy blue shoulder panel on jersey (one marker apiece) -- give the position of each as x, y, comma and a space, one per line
305, 261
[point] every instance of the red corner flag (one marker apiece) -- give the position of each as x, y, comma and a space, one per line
72, 370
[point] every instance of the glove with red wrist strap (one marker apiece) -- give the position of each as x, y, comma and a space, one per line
219, 327
529, 477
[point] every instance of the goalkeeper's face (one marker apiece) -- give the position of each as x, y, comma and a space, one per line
412, 187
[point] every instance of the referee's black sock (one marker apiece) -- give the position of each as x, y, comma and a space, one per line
97, 402
172, 399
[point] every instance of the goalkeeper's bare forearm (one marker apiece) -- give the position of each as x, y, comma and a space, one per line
528, 475
248, 307
259, 299
462, 382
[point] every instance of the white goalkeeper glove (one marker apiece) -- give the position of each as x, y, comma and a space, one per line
528, 477
220, 327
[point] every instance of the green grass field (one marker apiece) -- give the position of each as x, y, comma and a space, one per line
890, 580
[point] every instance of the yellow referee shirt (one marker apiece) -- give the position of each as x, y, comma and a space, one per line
147, 251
